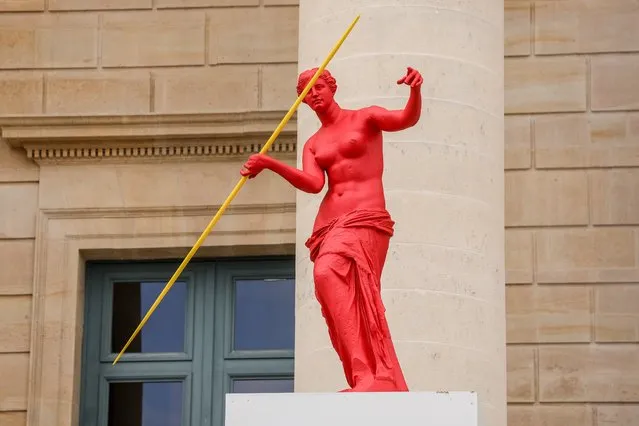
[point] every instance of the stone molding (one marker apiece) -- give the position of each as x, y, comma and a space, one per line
150, 137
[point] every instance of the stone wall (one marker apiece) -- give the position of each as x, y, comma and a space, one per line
572, 178
164, 56
572, 206
18, 205
114, 57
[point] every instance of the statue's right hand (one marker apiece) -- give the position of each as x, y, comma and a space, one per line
254, 165
412, 78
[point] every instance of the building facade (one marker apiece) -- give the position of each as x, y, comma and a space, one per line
515, 263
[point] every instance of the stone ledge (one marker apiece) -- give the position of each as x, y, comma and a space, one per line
353, 409
152, 136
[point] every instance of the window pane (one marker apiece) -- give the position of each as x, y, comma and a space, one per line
262, 386
165, 329
264, 314
145, 404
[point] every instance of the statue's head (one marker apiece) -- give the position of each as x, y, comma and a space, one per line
320, 97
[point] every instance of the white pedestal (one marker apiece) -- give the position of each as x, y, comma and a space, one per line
353, 409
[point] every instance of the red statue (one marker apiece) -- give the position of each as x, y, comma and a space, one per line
353, 228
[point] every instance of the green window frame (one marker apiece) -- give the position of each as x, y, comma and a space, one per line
208, 367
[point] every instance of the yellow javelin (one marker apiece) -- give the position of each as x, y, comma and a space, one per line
237, 188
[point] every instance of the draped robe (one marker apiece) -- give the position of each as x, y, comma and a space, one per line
351, 301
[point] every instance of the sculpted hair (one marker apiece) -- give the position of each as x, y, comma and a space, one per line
305, 77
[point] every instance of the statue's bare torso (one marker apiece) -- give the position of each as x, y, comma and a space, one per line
350, 152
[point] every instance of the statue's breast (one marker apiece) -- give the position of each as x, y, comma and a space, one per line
352, 144
330, 149
325, 153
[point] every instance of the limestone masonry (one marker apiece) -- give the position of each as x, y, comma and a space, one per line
526, 167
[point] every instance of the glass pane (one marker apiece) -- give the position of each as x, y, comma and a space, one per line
262, 386
165, 329
264, 314
145, 404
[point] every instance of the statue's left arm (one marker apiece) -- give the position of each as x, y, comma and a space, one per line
396, 120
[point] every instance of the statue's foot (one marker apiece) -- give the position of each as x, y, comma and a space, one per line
383, 385
377, 385
357, 388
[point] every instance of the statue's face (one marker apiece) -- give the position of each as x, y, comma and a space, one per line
320, 97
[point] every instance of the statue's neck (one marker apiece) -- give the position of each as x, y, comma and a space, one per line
331, 114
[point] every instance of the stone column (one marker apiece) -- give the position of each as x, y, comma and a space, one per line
443, 284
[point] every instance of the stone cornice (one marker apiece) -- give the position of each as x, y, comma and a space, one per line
147, 137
